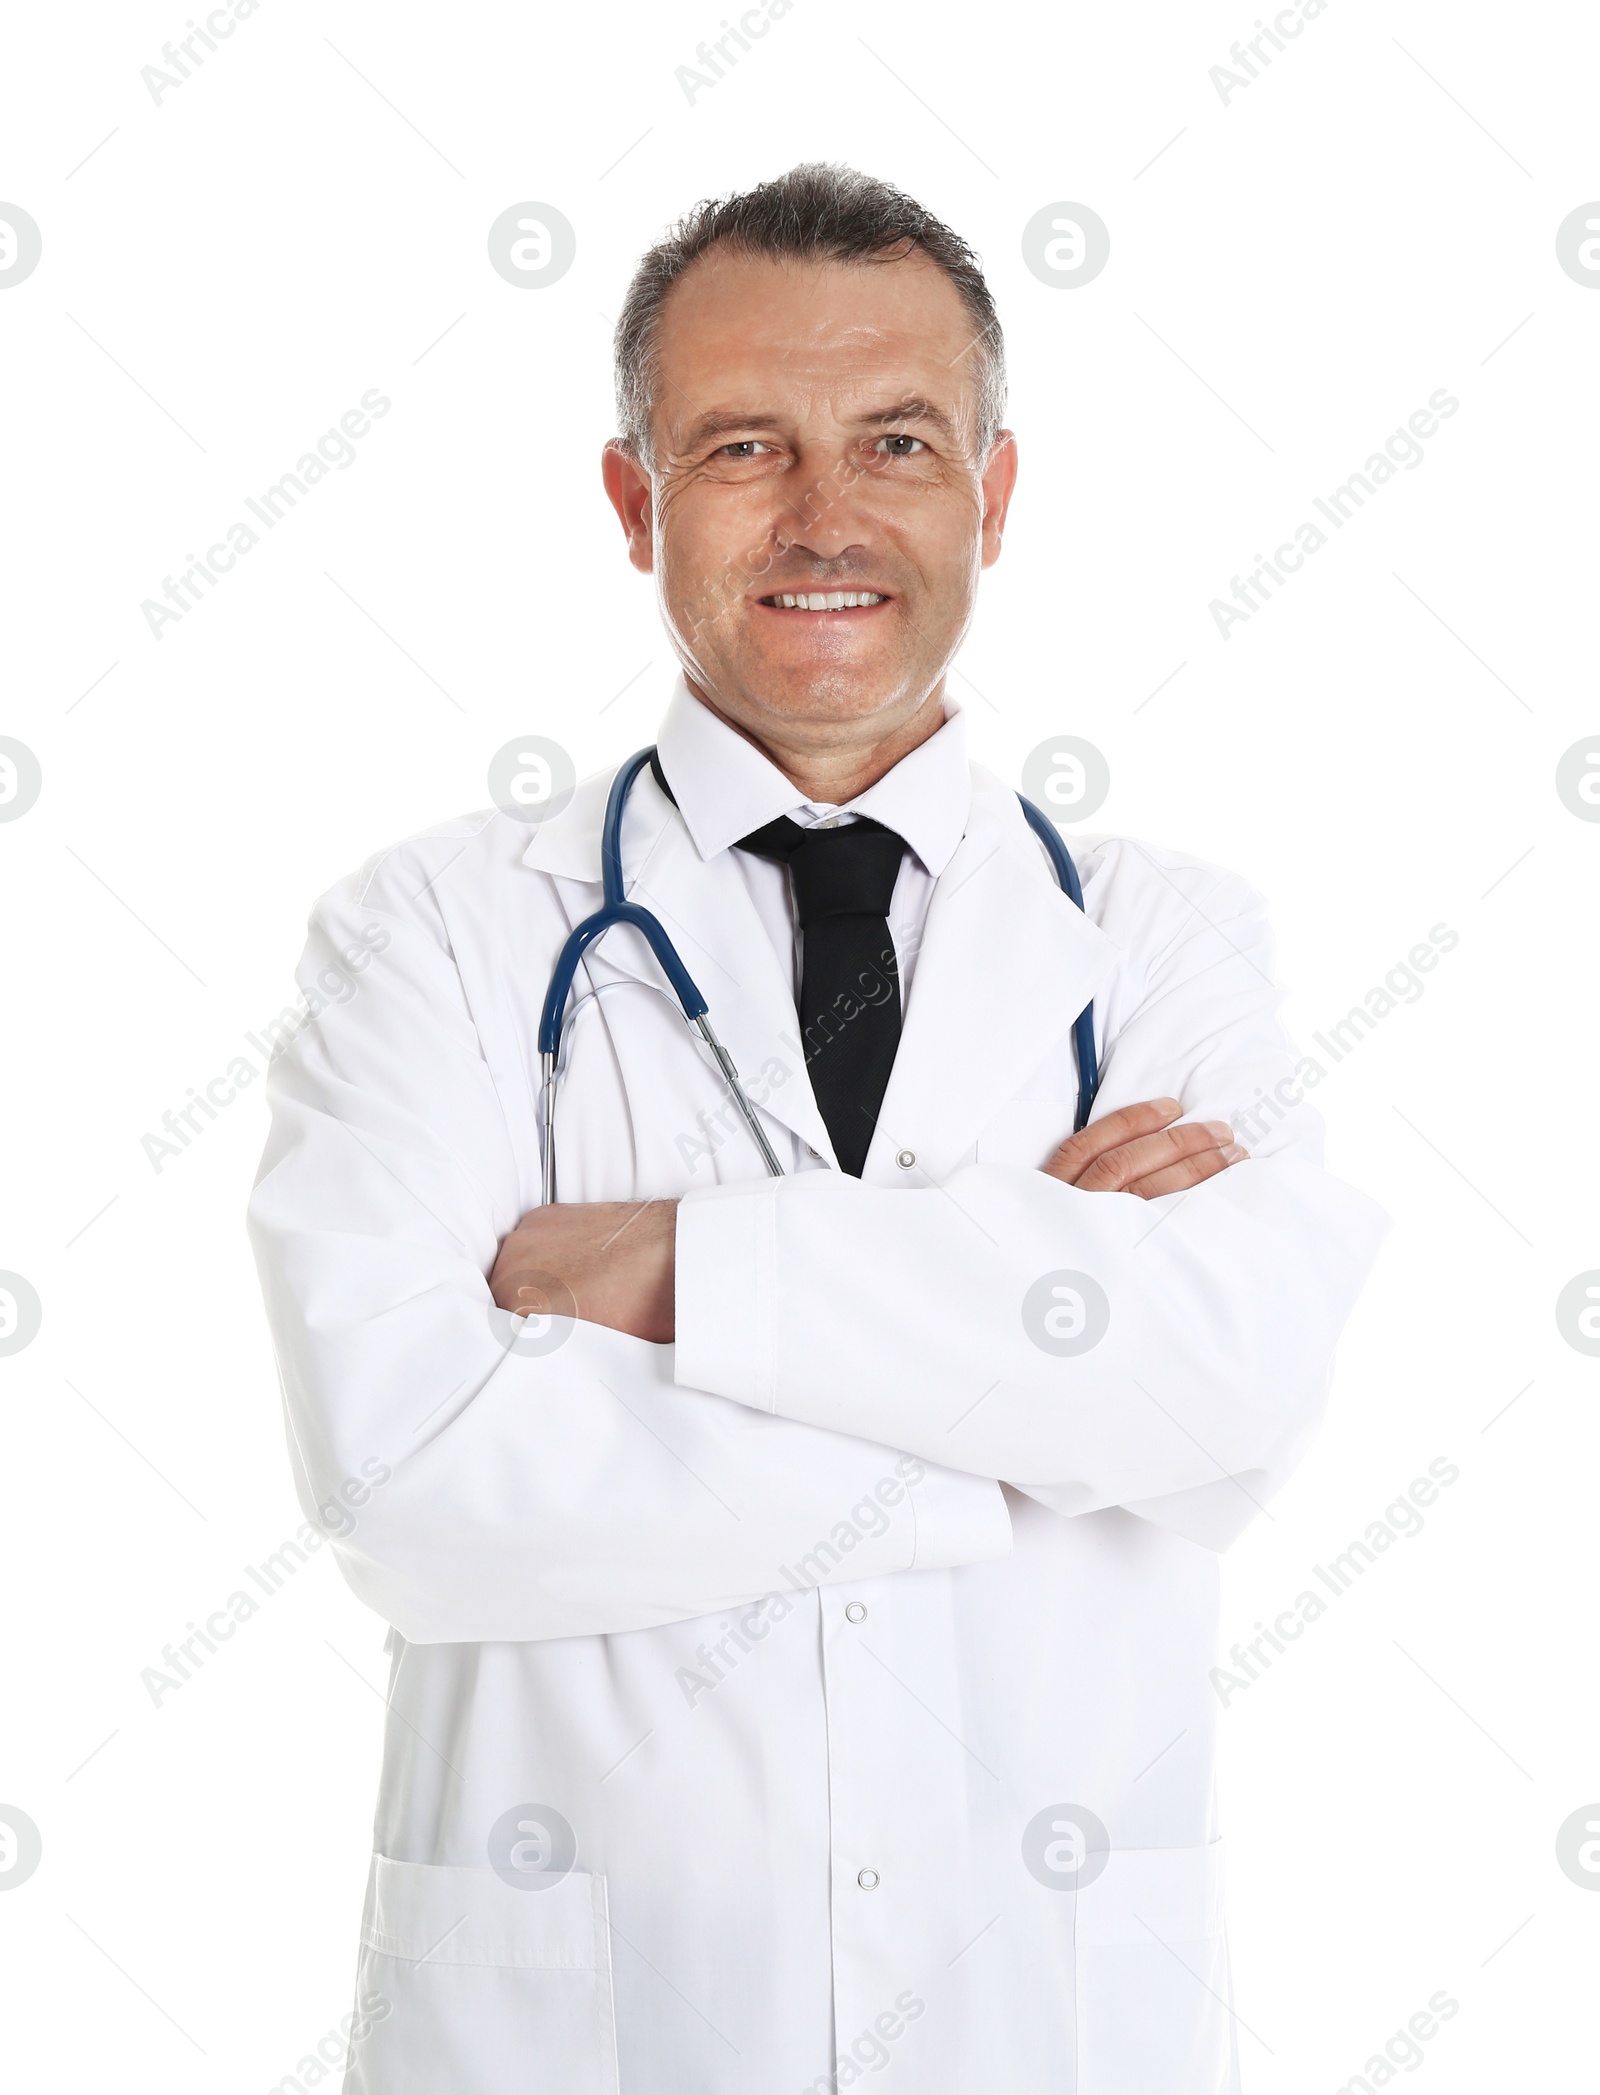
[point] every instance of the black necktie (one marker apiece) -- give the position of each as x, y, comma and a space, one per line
849, 976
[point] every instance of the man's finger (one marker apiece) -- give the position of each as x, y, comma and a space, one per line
1120, 1167
1078, 1152
1190, 1171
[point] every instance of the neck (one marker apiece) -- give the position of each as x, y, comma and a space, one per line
833, 761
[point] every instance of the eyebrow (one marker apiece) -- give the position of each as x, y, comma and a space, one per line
723, 423
915, 409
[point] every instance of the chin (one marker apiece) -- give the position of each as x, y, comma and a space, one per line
826, 690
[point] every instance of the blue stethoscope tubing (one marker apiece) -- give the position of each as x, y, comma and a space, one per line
616, 909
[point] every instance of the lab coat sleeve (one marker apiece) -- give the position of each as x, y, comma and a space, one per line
474, 1491
926, 1317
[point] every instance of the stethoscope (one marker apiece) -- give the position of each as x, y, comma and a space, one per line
615, 909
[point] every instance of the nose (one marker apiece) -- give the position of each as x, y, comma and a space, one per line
820, 518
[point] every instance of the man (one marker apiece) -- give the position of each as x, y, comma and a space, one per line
802, 1621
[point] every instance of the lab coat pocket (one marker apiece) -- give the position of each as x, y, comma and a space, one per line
490, 1989
1153, 1992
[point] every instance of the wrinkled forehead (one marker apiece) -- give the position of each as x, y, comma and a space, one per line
826, 343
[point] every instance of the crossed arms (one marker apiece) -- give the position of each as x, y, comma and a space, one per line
619, 1482
616, 1259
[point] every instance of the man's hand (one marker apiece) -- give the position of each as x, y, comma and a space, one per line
1138, 1150
607, 1261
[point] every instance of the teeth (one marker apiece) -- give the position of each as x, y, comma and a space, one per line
829, 600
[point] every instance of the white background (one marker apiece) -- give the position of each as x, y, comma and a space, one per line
1299, 268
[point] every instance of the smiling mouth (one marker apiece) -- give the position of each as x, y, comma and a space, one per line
824, 600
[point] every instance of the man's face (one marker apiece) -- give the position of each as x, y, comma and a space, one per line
815, 433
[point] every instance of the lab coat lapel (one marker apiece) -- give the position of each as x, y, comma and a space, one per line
1006, 964
711, 920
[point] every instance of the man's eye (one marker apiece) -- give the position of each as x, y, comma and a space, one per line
747, 447
900, 446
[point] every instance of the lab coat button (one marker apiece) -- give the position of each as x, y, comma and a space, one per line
855, 1612
867, 1879
906, 1158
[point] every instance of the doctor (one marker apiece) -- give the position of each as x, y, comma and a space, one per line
803, 1589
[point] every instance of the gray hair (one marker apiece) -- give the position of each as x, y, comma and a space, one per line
814, 213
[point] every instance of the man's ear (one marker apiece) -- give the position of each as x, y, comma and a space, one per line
629, 489
999, 479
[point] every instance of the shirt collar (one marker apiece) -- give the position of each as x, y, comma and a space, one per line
725, 787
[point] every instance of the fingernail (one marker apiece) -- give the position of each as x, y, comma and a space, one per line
1233, 1154
1220, 1128
1170, 1106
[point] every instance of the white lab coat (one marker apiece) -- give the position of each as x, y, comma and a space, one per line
627, 1581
